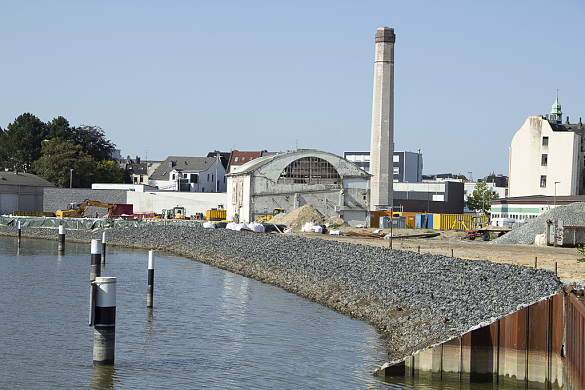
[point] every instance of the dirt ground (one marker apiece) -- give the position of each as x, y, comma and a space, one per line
451, 242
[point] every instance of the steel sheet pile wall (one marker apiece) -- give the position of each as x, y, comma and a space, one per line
543, 343
524, 346
575, 336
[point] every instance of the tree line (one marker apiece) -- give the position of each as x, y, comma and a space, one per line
50, 150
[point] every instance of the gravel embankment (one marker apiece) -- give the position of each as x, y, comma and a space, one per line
571, 215
415, 300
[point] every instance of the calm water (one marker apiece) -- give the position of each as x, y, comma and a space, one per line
209, 328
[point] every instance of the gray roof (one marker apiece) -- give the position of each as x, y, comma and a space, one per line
183, 164
23, 179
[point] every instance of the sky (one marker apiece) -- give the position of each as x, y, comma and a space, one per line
183, 78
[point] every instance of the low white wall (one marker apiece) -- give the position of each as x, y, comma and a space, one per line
194, 202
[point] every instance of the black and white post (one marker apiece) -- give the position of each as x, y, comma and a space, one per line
104, 248
96, 257
61, 245
19, 232
149, 297
103, 319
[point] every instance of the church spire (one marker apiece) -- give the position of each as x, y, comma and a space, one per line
556, 115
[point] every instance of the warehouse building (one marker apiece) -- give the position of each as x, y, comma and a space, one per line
329, 183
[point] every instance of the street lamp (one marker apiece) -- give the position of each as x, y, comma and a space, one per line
71, 178
556, 182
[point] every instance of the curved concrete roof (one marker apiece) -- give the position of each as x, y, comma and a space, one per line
292, 155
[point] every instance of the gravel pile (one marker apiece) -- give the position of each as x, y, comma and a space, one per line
571, 215
415, 300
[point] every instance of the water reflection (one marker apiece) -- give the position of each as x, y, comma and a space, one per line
103, 377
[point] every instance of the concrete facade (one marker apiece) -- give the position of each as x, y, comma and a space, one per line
544, 152
194, 202
382, 142
21, 192
329, 183
59, 198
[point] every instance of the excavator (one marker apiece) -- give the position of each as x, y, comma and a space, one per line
76, 210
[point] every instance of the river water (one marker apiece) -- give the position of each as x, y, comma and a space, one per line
208, 329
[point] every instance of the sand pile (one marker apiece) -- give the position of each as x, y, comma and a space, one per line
336, 221
297, 218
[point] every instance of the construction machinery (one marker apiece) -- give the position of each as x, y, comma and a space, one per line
177, 212
77, 210
480, 228
268, 217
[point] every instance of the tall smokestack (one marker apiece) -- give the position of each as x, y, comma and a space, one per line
382, 144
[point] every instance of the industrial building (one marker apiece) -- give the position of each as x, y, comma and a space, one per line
406, 166
329, 183
21, 191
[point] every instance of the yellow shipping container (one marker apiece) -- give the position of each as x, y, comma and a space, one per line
455, 221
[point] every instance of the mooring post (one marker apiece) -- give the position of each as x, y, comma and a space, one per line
96, 256
19, 231
61, 245
104, 248
149, 297
451, 252
419, 249
535, 262
103, 319
556, 268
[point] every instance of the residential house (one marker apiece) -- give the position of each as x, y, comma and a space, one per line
239, 158
190, 174
547, 157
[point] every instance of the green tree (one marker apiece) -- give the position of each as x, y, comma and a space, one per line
58, 158
59, 128
20, 144
94, 142
480, 199
107, 171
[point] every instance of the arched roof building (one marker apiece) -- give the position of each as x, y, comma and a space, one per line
329, 183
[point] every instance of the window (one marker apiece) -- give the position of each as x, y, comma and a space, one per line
367, 157
396, 158
208, 177
173, 177
396, 170
544, 141
194, 178
544, 160
243, 159
543, 181
236, 160
309, 170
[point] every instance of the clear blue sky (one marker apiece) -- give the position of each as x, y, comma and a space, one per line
187, 77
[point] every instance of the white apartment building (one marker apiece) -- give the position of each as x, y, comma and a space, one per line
547, 158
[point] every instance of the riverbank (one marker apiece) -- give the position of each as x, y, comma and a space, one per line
414, 300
